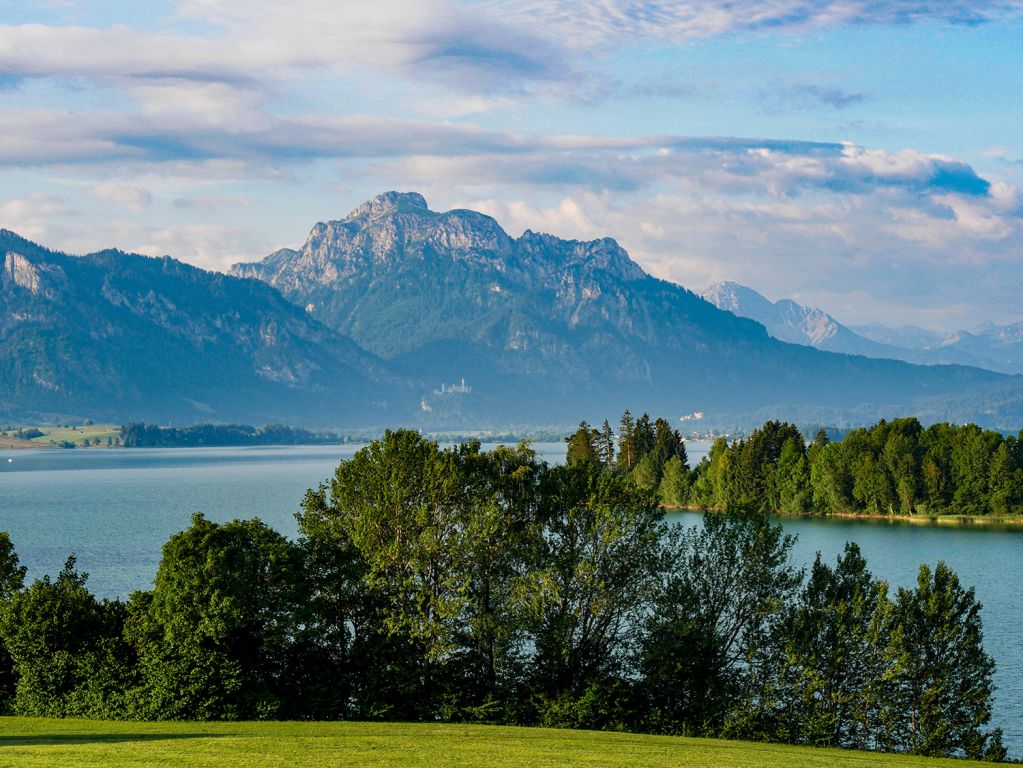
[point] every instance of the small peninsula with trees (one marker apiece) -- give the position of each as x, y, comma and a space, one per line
894, 468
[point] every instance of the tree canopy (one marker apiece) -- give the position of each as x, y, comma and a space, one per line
456, 584
893, 468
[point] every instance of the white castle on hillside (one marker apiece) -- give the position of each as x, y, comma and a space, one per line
454, 389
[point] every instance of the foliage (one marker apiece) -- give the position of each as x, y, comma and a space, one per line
65, 647
892, 468
584, 446
673, 490
434, 538
218, 634
725, 586
12, 579
456, 584
12, 573
831, 670
591, 580
139, 435
942, 674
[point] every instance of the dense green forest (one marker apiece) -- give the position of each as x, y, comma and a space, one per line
457, 584
138, 435
892, 468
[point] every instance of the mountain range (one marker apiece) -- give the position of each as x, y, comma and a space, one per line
120, 337
541, 326
994, 347
397, 314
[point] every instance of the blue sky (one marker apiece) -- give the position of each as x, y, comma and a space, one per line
864, 157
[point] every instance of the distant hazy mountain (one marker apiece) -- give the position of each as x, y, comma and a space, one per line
905, 336
788, 321
542, 328
118, 336
996, 348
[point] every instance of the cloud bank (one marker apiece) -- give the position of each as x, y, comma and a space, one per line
592, 23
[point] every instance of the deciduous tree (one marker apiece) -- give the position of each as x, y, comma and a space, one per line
218, 637
943, 673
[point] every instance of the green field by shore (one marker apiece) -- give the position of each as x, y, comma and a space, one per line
81, 435
44, 743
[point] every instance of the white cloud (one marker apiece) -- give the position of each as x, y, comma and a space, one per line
134, 199
258, 45
38, 136
461, 105
733, 166
779, 97
31, 216
38, 50
210, 203
210, 246
785, 217
196, 106
72, 226
567, 219
968, 220
594, 23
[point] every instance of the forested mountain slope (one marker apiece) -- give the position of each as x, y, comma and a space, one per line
120, 336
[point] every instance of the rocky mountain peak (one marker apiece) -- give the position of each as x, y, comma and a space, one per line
388, 202
21, 272
733, 297
30, 273
550, 253
784, 319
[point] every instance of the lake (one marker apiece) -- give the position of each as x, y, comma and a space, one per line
115, 508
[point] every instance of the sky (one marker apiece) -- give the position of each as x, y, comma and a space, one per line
862, 157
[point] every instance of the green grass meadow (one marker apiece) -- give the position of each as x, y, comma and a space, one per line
35, 743
78, 435
56, 436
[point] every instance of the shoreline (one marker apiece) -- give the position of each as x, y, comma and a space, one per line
14, 444
949, 521
18, 445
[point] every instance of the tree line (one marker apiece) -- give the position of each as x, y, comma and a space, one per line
140, 435
456, 584
892, 468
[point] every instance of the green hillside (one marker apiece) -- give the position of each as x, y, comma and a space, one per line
35, 743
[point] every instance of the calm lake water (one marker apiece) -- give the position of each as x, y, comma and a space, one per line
115, 508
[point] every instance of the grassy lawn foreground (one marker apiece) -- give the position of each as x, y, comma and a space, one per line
31, 742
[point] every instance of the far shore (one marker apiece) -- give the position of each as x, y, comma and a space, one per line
963, 521
14, 444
